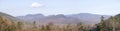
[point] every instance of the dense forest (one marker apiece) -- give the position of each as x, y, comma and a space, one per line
111, 24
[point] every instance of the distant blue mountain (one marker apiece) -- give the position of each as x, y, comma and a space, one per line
86, 18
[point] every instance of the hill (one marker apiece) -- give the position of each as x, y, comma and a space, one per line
8, 17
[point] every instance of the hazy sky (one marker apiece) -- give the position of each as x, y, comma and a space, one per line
49, 7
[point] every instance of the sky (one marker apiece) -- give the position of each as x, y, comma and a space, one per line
50, 7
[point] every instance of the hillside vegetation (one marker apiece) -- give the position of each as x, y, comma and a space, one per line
111, 24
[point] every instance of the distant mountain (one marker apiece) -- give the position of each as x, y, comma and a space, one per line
58, 19
86, 18
31, 17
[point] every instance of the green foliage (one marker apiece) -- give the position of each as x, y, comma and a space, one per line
112, 24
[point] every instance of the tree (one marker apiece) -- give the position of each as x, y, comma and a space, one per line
43, 28
101, 26
19, 25
80, 27
34, 24
49, 26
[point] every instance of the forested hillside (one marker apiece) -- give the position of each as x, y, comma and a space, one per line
110, 24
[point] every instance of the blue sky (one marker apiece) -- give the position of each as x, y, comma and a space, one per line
50, 7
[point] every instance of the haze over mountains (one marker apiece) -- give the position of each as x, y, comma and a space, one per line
86, 18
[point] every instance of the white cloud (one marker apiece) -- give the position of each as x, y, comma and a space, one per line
36, 4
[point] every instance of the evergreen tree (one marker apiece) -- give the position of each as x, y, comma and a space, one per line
19, 25
80, 27
101, 26
34, 24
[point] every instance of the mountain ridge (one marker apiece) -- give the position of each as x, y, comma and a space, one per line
61, 18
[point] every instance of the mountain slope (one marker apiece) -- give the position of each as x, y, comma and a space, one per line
9, 17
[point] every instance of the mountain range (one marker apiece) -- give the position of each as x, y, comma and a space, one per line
85, 18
